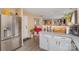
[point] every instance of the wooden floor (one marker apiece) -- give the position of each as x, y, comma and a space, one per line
30, 45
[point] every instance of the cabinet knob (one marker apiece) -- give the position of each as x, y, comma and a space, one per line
56, 42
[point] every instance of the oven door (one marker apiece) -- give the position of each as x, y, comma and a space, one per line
75, 30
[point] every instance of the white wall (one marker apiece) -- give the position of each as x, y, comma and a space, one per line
73, 18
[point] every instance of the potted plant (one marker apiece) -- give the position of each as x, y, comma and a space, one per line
32, 32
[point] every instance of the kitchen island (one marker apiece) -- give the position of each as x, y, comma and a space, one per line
58, 41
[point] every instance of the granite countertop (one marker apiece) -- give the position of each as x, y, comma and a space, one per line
73, 37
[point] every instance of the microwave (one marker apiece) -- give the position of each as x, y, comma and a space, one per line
74, 30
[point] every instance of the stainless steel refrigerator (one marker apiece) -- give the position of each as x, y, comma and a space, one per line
10, 32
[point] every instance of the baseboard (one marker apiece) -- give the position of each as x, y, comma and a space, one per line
26, 39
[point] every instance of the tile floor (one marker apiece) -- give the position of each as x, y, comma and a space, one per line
33, 45
30, 45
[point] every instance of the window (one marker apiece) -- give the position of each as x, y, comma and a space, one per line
37, 22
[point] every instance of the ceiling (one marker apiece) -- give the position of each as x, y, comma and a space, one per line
53, 13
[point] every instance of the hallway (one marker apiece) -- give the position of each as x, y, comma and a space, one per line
30, 45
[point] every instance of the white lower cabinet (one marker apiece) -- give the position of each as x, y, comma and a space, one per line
65, 44
44, 43
55, 43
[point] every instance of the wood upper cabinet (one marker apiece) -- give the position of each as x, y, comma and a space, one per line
47, 22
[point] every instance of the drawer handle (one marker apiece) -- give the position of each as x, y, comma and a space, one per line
56, 42
47, 40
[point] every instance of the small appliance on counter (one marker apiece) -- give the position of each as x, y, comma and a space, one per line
74, 30
47, 28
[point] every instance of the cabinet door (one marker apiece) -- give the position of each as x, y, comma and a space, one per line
65, 44
54, 44
43, 42
25, 33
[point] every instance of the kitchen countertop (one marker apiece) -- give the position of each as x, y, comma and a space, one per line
73, 37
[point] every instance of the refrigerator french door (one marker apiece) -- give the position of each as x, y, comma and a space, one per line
10, 32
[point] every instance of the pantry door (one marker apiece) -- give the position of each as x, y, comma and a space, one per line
25, 33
